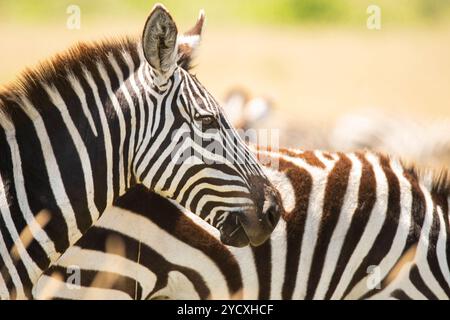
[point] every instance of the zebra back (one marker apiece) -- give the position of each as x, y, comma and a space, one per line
356, 226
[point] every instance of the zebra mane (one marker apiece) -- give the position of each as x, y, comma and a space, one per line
441, 181
56, 68
436, 180
53, 69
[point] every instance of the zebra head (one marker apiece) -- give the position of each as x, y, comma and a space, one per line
189, 151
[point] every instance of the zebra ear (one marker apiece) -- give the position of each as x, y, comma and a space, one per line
159, 41
189, 42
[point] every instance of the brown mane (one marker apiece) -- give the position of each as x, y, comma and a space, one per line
438, 180
57, 67
81, 54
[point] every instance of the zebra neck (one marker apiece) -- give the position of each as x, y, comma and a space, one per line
67, 136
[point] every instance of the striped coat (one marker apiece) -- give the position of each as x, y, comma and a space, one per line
85, 127
356, 226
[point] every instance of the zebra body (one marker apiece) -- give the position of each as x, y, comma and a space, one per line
86, 127
356, 226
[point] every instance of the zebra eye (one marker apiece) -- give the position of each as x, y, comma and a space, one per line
208, 120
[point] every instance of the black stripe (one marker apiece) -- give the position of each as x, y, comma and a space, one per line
69, 164
384, 240
96, 147
96, 239
166, 142
432, 258
335, 191
295, 223
210, 192
125, 107
400, 295
417, 281
197, 168
263, 263
163, 213
34, 174
114, 126
360, 218
418, 209
90, 279
446, 213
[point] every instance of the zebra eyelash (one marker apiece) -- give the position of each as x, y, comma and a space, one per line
207, 121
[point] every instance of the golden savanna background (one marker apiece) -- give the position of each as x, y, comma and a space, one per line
316, 59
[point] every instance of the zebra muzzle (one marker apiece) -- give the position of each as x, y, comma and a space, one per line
232, 232
250, 226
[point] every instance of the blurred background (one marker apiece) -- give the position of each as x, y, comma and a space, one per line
331, 81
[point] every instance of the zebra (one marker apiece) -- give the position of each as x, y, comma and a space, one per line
422, 141
359, 225
246, 111
94, 122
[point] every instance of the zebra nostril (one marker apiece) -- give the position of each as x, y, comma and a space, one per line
272, 209
273, 215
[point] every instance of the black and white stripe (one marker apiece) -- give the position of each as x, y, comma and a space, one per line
356, 226
84, 128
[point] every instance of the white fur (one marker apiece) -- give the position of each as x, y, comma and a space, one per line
349, 206
376, 220
282, 183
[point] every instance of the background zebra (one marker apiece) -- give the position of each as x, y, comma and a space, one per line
81, 130
246, 111
422, 141
356, 225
